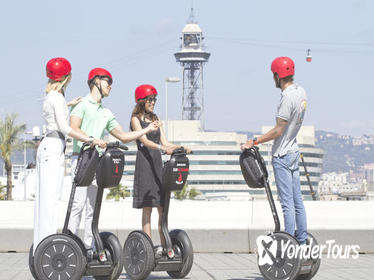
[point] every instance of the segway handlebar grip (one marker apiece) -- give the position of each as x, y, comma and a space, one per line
180, 150
254, 148
118, 145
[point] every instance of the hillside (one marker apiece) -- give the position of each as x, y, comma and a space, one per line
341, 154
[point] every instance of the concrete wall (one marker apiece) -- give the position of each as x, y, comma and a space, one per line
213, 226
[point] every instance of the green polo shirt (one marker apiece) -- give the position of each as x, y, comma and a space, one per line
95, 119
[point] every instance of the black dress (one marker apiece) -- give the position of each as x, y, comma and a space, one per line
148, 172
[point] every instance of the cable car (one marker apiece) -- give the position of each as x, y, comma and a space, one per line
308, 56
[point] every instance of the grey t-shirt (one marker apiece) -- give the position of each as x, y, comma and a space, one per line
292, 109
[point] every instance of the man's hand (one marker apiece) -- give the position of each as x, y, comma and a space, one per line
100, 143
153, 126
75, 101
247, 145
188, 150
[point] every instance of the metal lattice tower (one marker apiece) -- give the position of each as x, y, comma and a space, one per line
192, 58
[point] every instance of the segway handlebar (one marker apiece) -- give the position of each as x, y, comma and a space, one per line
118, 145
180, 150
253, 148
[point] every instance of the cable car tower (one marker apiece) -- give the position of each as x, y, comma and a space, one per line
192, 58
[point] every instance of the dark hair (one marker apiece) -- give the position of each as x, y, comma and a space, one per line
139, 111
91, 83
287, 79
278, 80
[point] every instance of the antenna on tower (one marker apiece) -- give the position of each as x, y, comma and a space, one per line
191, 18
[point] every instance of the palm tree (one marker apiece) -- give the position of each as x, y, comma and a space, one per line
9, 143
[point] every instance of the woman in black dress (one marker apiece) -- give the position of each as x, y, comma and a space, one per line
148, 166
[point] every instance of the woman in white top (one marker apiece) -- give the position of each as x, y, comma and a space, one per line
50, 155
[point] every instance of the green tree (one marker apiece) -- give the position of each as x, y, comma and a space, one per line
118, 192
191, 193
10, 142
182, 194
2, 192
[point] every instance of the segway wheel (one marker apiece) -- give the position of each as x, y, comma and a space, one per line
180, 238
275, 264
316, 262
59, 257
31, 261
138, 255
112, 244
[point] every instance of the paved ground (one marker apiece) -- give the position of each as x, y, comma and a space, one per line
216, 266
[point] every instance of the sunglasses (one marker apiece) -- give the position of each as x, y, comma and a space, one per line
109, 81
151, 99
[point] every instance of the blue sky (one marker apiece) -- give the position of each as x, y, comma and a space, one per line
136, 40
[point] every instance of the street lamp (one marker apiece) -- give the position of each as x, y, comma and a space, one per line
168, 80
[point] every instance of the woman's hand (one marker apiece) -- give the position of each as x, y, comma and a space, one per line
168, 149
99, 142
75, 101
188, 150
153, 126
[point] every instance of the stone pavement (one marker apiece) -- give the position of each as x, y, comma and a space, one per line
217, 266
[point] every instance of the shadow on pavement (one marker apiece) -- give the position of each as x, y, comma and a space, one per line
247, 278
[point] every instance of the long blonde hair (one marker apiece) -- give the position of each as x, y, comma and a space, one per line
58, 85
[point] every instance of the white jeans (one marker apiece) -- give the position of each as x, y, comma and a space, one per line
49, 183
84, 196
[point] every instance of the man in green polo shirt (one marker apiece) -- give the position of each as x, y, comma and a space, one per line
90, 117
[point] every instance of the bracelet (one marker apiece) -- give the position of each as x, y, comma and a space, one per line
255, 142
161, 150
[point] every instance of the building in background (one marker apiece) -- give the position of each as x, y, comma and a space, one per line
369, 173
339, 186
214, 164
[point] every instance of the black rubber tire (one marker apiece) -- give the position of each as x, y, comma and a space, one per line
112, 244
181, 239
286, 268
31, 261
59, 257
316, 263
139, 258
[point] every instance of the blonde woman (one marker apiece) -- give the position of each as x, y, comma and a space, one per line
50, 154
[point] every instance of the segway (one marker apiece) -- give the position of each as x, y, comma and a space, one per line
275, 264
177, 258
63, 256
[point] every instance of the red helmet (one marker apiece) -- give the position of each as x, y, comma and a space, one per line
283, 66
143, 91
57, 68
99, 72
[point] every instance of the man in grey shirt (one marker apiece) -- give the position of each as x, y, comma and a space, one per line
285, 152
